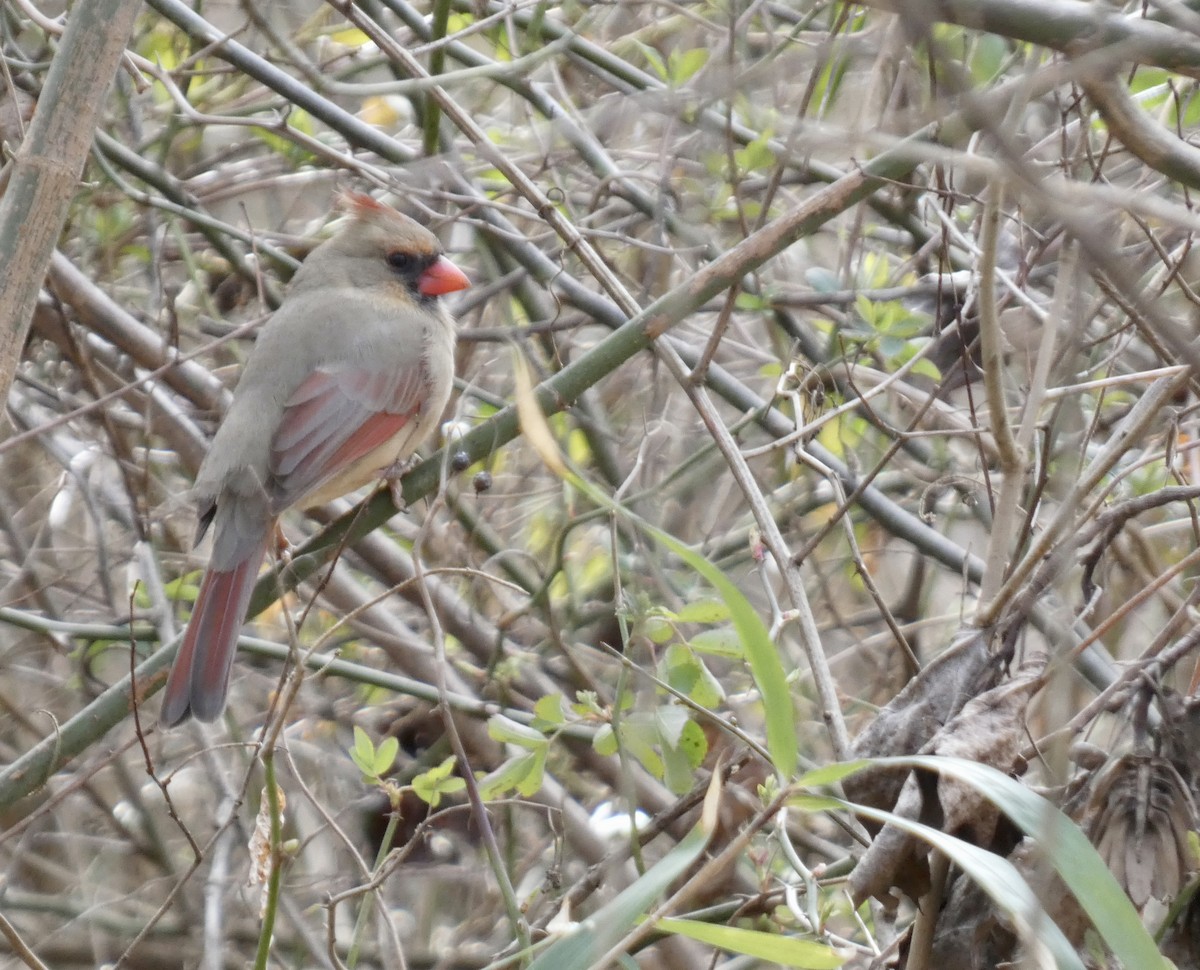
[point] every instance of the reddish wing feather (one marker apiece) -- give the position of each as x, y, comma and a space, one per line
371, 434
336, 416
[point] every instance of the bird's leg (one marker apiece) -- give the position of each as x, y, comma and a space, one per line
394, 476
283, 548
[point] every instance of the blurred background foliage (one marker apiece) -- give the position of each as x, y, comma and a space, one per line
805, 341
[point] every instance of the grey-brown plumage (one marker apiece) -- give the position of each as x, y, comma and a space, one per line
349, 376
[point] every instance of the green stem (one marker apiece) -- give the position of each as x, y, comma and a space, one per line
364, 909
437, 64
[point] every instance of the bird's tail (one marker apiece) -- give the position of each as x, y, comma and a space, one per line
199, 677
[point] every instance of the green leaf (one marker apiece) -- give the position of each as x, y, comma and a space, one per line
693, 744
875, 270
927, 368
751, 301
301, 121
159, 44
185, 587
987, 57
829, 81
678, 773
654, 59
1148, 77
587, 704
831, 774
363, 752
816, 803
366, 767
703, 611
549, 709
638, 734
679, 668
685, 672
507, 731
528, 786
658, 629
441, 771
765, 665
866, 310
350, 37
683, 65
756, 156
523, 773
670, 720
784, 950
431, 785
708, 691
1191, 111
723, 642
605, 741
385, 755
579, 450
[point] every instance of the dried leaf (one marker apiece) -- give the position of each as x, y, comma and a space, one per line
1140, 816
918, 712
260, 845
987, 730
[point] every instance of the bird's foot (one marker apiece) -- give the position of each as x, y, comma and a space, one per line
394, 476
283, 548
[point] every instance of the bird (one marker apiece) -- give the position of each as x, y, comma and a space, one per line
347, 378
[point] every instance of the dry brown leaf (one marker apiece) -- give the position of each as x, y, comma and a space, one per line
260, 846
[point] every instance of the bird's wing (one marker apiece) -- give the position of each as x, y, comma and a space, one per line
338, 415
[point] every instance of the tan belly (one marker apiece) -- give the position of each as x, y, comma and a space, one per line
367, 469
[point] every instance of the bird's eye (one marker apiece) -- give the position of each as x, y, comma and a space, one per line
400, 260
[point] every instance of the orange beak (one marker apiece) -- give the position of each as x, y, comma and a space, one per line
442, 277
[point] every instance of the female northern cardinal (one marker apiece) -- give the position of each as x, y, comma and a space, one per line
347, 378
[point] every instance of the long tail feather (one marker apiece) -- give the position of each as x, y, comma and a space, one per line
199, 677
